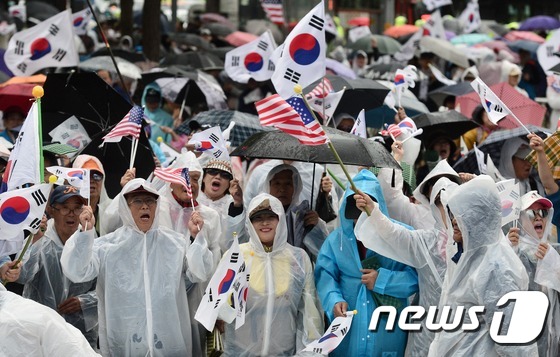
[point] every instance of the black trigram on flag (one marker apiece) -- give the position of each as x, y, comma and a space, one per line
35, 223
235, 61
22, 67
343, 331
19, 47
335, 327
234, 257
53, 30
217, 153
271, 66
39, 197
59, 55
241, 268
217, 303
292, 75
210, 295
317, 350
549, 51
262, 45
316, 22
214, 138
498, 108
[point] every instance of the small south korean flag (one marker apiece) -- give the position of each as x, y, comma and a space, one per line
80, 21
252, 60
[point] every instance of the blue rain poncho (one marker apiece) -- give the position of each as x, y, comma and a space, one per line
143, 307
338, 277
282, 312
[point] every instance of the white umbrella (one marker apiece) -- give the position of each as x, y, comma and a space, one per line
127, 69
445, 50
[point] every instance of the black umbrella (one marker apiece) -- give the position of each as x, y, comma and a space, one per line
385, 71
449, 123
169, 71
456, 90
195, 59
190, 39
353, 150
218, 29
38, 11
124, 54
360, 93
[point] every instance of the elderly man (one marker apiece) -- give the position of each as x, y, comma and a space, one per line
42, 274
141, 270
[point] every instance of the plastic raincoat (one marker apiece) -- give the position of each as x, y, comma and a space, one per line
507, 170
338, 277
422, 249
486, 270
143, 307
159, 116
282, 312
32, 329
46, 284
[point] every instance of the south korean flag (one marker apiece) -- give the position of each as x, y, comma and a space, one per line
252, 60
80, 21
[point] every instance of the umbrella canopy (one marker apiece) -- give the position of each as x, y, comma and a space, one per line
359, 21
450, 123
438, 95
540, 23
196, 59
126, 68
360, 93
493, 146
219, 29
353, 150
452, 24
38, 11
339, 69
376, 118
528, 46
17, 95
246, 124
527, 110
386, 45
239, 38
37, 79
4, 70
399, 31
470, 39
384, 71
201, 89
257, 27
117, 52
170, 71
445, 50
523, 35
190, 40
213, 17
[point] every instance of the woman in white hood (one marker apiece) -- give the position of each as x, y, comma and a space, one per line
141, 271
282, 314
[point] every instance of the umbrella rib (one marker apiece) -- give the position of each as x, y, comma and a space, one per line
102, 124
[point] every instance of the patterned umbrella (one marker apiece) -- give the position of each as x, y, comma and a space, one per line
552, 152
527, 110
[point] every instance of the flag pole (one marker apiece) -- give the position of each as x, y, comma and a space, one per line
298, 90
109, 50
38, 93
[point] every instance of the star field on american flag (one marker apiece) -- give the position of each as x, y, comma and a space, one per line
300, 107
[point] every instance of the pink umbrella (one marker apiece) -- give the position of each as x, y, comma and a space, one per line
527, 111
359, 21
498, 46
239, 38
212, 17
523, 35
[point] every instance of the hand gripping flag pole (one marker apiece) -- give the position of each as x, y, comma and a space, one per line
298, 90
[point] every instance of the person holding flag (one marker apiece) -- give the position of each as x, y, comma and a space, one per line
138, 317
282, 314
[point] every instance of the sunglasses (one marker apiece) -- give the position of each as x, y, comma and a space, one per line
532, 213
96, 177
223, 174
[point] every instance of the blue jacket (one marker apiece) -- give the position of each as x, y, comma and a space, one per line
158, 116
338, 278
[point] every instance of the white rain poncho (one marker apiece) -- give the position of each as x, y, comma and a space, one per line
507, 170
282, 311
46, 284
143, 307
486, 270
423, 250
32, 329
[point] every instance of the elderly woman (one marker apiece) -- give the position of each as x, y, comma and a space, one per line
282, 312
513, 165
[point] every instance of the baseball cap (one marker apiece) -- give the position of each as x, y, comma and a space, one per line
262, 209
220, 165
62, 193
140, 190
532, 197
92, 166
152, 95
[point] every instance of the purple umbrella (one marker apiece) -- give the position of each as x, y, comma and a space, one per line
540, 23
3, 67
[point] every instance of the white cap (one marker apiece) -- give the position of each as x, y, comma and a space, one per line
532, 197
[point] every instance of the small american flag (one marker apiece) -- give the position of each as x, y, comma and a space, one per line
274, 11
130, 125
321, 90
175, 175
292, 117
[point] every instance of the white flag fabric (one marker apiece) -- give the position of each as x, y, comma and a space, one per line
545, 52
18, 11
169, 153
409, 48
440, 76
252, 60
23, 165
404, 78
211, 142
240, 292
327, 105
301, 59
330, 26
22, 209
71, 132
492, 171
80, 21
470, 17
221, 285
480, 160
48, 44
390, 99
490, 102
355, 33
359, 127
434, 26
511, 200
76, 177
434, 4
333, 336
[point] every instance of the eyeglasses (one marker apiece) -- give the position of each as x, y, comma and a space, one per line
66, 211
96, 177
140, 202
223, 174
532, 213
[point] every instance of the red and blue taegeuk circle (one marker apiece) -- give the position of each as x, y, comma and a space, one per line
76, 173
14, 210
226, 281
304, 49
507, 207
39, 48
253, 62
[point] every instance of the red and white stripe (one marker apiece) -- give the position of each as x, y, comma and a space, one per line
274, 11
323, 88
172, 175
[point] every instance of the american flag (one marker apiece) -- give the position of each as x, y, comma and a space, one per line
273, 10
176, 175
321, 90
131, 125
292, 117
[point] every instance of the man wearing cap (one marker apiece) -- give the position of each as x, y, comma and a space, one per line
153, 101
141, 271
42, 272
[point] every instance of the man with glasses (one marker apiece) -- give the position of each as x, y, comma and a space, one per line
42, 273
